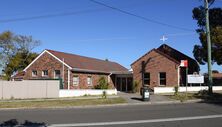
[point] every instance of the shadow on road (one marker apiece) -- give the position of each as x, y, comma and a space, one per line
15, 123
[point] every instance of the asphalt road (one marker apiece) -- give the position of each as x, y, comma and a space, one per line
170, 115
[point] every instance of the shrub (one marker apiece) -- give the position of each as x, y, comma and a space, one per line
102, 84
176, 89
135, 86
104, 95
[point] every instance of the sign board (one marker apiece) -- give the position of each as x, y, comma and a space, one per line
146, 95
195, 79
184, 63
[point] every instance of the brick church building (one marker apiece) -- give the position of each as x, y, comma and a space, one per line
77, 72
161, 67
157, 68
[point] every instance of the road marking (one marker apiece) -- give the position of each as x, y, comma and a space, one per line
137, 121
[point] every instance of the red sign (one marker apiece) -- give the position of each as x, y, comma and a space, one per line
184, 63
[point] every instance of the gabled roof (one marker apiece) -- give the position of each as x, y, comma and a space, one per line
170, 53
159, 52
175, 54
85, 64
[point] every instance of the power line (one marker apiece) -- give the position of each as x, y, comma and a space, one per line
49, 16
141, 17
181, 34
42, 16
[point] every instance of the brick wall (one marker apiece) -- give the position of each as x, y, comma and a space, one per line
83, 80
156, 63
48, 62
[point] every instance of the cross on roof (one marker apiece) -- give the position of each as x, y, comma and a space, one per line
163, 38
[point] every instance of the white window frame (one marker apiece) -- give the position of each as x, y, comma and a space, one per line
165, 78
146, 78
55, 73
33, 73
89, 77
73, 82
43, 73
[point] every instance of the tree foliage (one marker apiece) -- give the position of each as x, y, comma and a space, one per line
17, 63
215, 18
102, 83
16, 51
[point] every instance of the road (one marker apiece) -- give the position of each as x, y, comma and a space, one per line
170, 115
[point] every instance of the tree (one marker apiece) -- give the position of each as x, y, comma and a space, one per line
215, 18
17, 63
16, 50
102, 83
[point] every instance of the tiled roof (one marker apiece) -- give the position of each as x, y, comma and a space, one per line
86, 63
19, 75
173, 55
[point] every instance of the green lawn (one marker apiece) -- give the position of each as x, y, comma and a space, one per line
200, 95
60, 103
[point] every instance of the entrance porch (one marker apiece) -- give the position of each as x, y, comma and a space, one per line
124, 82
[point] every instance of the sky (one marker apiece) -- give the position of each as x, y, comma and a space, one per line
89, 29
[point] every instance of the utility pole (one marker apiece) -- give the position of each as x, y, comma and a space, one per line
210, 81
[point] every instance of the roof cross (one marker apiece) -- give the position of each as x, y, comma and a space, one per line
163, 38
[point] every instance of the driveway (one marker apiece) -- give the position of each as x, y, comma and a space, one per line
137, 98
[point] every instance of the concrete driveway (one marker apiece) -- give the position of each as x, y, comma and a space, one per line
137, 98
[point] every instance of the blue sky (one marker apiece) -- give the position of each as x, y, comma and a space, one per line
100, 32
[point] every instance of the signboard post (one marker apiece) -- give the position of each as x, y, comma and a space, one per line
184, 63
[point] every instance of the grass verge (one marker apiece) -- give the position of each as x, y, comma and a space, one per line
60, 103
200, 95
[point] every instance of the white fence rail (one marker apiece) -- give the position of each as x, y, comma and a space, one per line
83, 92
160, 90
29, 89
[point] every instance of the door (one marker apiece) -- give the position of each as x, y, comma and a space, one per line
124, 84
118, 84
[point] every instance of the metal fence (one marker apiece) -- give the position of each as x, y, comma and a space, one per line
29, 89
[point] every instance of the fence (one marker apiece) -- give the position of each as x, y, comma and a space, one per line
83, 92
29, 89
158, 90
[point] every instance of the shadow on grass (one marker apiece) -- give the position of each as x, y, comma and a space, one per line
15, 123
137, 98
215, 98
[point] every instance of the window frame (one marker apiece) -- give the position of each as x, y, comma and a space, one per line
146, 78
55, 74
75, 76
43, 75
33, 73
89, 77
162, 79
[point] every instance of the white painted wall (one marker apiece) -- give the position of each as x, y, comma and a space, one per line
158, 90
83, 92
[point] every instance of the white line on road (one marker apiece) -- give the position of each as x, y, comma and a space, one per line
136, 121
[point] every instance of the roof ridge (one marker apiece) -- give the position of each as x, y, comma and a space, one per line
79, 55
174, 50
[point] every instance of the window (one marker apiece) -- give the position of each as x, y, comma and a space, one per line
162, 78
45, 73
75, 80
146, 79
34, 73
57, 74
89, 80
